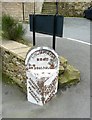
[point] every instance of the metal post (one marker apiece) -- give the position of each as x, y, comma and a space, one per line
34, 26
56, 7
33, 30
54, 32
23, 11
54, 25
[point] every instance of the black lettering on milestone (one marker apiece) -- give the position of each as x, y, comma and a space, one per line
34, 84
50, 96
51, 87
34, 95
34, 87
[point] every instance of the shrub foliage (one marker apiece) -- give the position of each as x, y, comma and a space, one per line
12, 29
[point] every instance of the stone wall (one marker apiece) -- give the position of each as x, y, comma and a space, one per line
67, 9
15, 9
13, 62
14, 68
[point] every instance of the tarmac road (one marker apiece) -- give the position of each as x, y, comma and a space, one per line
72, 103
77, 28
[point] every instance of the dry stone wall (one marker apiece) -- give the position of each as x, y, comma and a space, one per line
67, 9
13, 61
14, 67
73, 9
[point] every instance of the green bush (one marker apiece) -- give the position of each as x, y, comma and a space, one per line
12, 29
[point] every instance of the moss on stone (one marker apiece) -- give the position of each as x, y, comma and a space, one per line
7, 79
63, 62
10, 80
69, 77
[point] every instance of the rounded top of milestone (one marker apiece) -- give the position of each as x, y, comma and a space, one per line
42, 61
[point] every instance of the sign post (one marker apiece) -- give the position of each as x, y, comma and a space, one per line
42, 68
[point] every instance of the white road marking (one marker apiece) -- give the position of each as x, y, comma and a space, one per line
87, 43
71, 39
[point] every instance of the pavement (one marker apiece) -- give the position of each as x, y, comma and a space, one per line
75, 101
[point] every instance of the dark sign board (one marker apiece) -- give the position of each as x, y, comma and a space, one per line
45, 24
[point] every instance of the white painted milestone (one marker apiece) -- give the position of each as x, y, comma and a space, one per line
42, 68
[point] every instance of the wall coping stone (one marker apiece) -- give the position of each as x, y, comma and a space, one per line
16, 48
